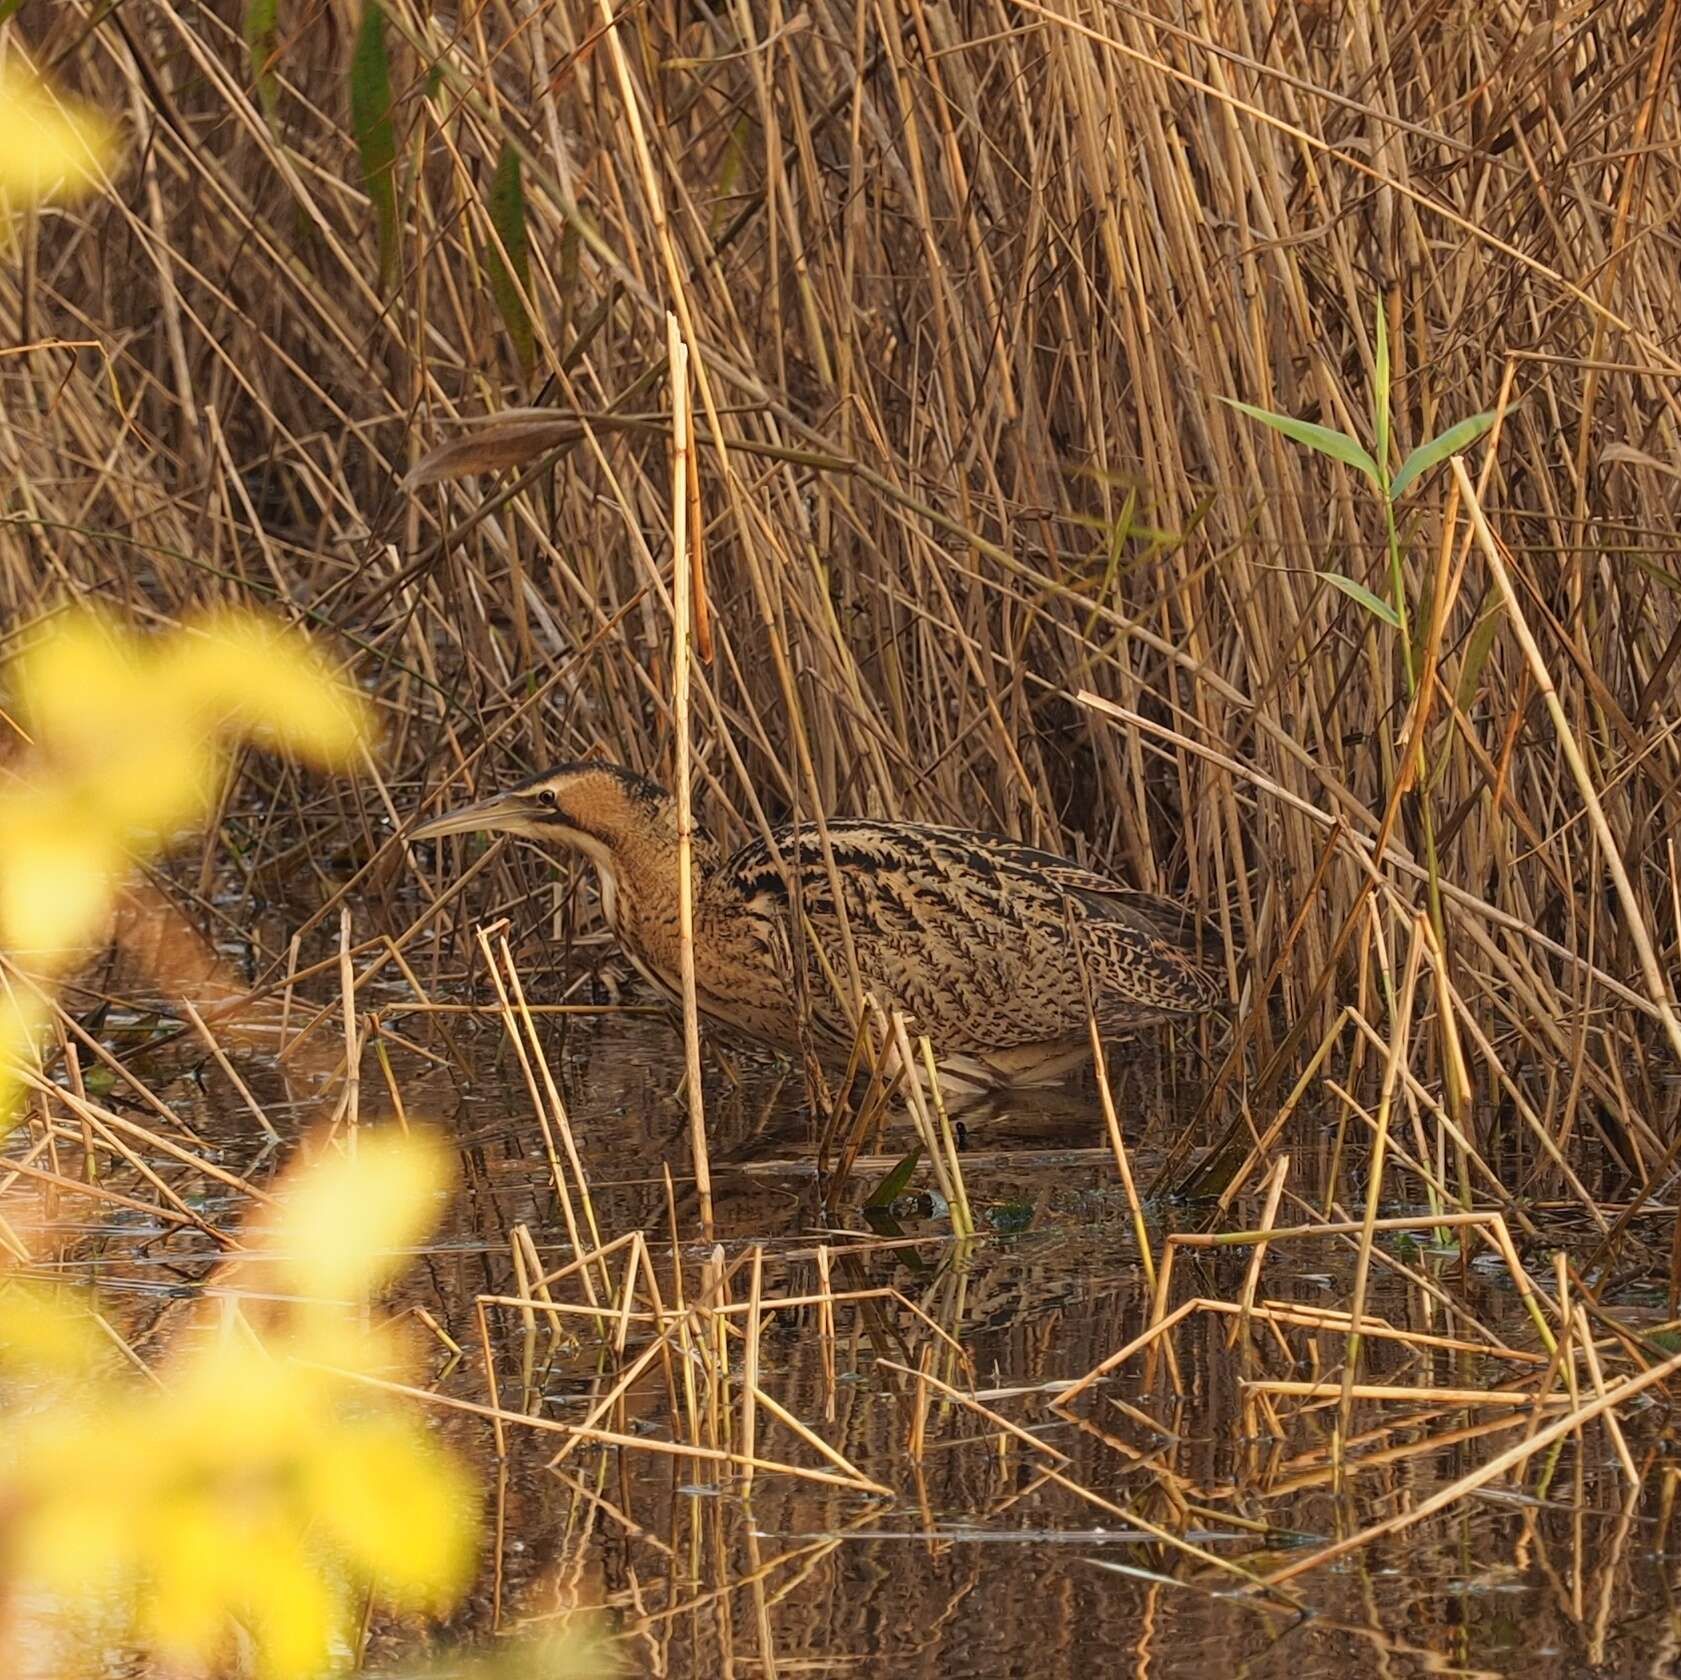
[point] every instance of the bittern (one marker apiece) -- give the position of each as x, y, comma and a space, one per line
1000, 953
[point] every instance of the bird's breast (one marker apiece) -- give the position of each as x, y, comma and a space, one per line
737, 979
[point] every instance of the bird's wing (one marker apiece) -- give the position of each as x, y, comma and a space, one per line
1177, 933
969, 933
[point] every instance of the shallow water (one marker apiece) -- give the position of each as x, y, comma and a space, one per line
980, 1564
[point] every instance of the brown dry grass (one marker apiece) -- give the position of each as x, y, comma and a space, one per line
961, 287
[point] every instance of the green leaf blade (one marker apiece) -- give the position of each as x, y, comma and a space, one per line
1451, 442
509, 257
1338, 445
1476, 656
892, 1187
376, 140
1374, 604
262, 43
1380, 389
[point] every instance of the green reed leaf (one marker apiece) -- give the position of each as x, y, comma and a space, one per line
892, 1187
1338, 445
262, 43
1380, 389
1374, 604
1428, 455
510, 275
376, 140
1476, 656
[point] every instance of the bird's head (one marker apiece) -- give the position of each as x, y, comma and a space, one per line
597, 809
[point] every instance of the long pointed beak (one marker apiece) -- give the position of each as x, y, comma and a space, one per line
499, 811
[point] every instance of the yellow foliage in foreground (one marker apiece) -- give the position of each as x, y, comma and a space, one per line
251, 1482
49, 146
254, 1482
129, 733
126, 736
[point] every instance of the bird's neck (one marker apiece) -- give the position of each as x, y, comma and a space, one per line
638, 882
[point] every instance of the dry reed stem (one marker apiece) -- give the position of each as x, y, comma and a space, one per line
227, 1067
682, 578
1252, 1274
499, 1418
963, 1218
556, 1108
750, 1363
947, 1169
1374, 1180
1657, 987
1176, 1542
1497, 1466
1423, 1395
350, 1102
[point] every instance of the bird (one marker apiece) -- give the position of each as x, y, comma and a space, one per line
1000, 953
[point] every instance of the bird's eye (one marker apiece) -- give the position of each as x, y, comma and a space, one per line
547, 796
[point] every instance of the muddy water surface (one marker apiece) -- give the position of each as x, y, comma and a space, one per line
993, 1556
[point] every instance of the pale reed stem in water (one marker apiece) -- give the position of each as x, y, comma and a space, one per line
681, 580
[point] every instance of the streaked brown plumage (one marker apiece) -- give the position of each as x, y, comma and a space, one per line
969, 934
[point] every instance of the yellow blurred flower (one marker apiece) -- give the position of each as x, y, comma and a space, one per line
128, 735
49, 146
331, 1240
389, 1500
94, 694
252, 1486
45, 1331
22, 1017
58, 866
258, 678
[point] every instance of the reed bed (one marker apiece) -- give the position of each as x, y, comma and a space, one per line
734, 1419
823, 410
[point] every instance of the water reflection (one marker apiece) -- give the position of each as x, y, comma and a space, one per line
997, 1554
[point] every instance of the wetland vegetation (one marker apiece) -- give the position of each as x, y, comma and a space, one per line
1234, 447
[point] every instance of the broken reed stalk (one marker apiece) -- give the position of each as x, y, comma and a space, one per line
1117, 1141
826, 1328
528, 1319
749, 1432
661, 1318
1252, 1275
682, 574
229, 1070
1596, 1374
1052, 1472
521, 1033
948, 1170
351, 1103
501, 1418
1496, 1467
561, 1123
1162, 1320
1422, 1396
393, 1090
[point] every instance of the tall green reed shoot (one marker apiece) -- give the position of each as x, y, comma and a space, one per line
1398, 613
